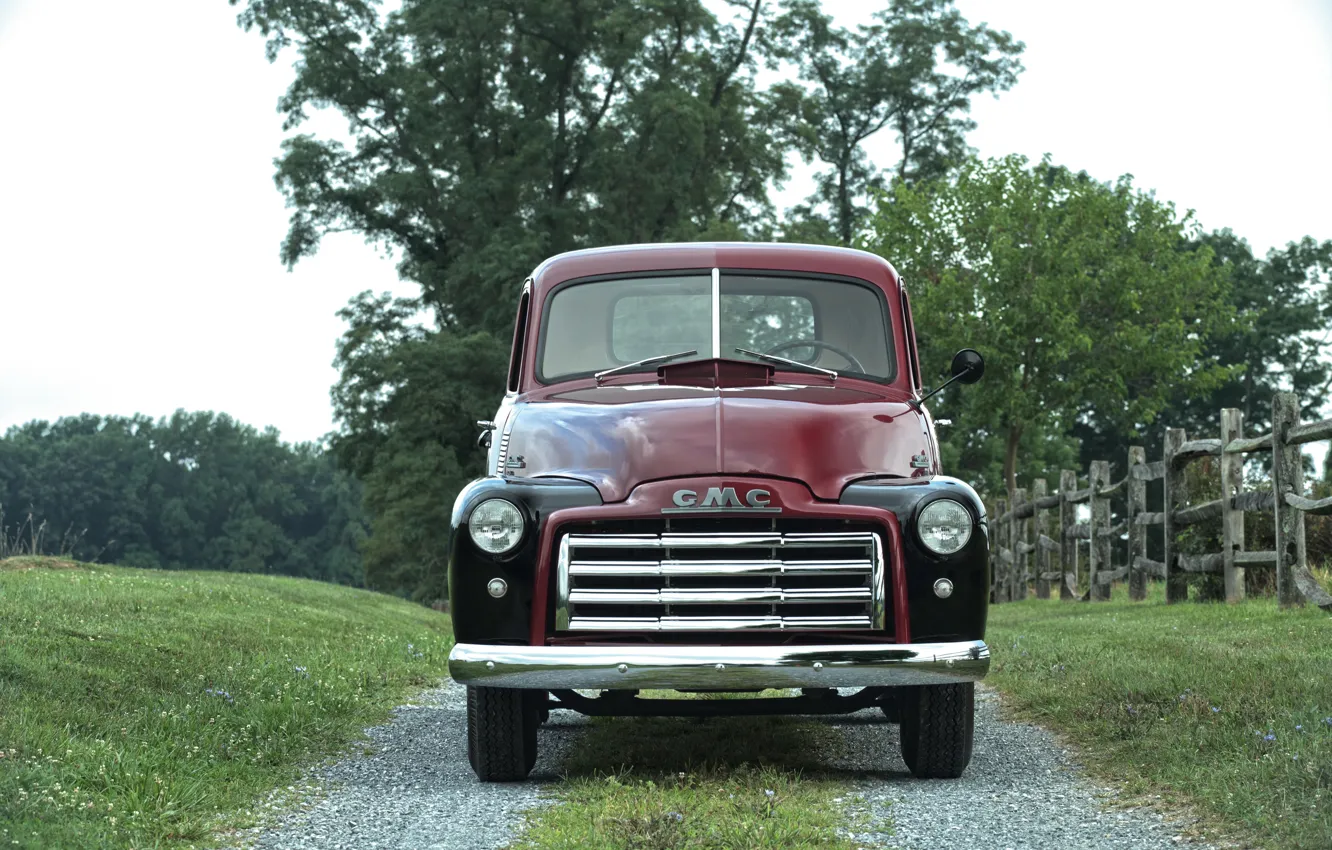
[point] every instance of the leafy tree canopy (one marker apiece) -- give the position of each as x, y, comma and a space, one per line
1087, 300
486, 135
192, 491
1278, 341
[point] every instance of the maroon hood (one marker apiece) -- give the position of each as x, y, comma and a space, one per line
618, 437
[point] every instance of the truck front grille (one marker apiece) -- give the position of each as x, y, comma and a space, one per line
705, 582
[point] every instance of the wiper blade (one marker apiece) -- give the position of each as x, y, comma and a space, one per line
832, 376
647, 361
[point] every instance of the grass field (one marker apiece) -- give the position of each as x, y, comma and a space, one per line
1225, 709
152, 709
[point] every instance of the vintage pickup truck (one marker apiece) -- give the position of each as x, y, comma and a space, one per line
712, 471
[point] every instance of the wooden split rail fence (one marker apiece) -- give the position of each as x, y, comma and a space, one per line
1023, 550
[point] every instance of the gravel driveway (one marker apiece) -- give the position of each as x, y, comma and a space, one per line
417, 791
1021, 791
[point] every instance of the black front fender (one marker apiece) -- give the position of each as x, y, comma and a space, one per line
962, 615
477, 616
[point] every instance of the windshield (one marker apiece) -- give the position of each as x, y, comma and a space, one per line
832, 324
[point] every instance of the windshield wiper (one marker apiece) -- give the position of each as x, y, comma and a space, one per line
647, 361
832, 376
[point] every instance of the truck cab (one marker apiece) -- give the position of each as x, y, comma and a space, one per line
713, 470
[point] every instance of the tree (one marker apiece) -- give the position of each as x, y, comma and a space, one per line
486, 135
409, 399
1281, 336
192, 491
1084, 297
1277, 342
913, 70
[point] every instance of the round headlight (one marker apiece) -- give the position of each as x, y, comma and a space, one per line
944, 526
496, 526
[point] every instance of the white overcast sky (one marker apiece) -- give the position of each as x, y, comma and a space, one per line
139, 223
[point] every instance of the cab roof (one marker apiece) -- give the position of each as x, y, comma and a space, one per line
761, 256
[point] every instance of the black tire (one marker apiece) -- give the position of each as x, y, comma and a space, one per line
938, 728
501, 733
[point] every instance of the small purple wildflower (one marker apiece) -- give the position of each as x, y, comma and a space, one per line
1299, 728
302, 672
219, 692
1327, 721
675, 816
769, 792
1216, 709
1270, 736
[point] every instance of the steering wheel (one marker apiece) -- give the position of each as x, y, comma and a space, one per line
818, 343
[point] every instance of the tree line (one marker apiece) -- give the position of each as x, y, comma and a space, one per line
486, 135
189, 491
483, 136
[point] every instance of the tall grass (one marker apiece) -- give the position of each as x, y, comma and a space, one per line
29, 538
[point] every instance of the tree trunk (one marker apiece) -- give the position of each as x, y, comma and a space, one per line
844, 228
1010, 457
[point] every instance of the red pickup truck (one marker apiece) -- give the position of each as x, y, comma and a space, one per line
712, 470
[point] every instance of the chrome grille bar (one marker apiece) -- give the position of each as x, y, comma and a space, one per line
667, 624
721, 595
625, 582
718, 541
762, 567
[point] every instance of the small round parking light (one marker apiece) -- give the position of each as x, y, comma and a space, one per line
497, 587
944, 526
943, 588
496, 526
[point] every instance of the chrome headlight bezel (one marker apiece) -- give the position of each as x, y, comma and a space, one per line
496, 526
930, 527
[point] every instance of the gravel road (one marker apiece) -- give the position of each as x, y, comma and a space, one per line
416, 790
1022, 790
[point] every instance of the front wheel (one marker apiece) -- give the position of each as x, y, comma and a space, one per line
502, 732
938, 727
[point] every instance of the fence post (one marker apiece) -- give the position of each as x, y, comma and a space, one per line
1177, 588
1287, 477
1038, 530
1137, 504
1068, 552
1232, 521
1099, 550
1017, 578
997, 571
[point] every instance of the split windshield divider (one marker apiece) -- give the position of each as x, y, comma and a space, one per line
716, 347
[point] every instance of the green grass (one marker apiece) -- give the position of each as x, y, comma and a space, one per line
153, 709
742, 783
1179, 701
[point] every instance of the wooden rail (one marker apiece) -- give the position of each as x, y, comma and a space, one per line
1026, 548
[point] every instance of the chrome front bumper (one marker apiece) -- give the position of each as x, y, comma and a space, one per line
718, 667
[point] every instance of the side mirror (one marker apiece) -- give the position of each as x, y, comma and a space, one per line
968, 366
